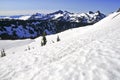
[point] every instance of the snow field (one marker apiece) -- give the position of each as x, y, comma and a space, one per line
87, 53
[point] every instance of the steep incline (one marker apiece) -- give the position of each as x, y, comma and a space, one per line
91, 53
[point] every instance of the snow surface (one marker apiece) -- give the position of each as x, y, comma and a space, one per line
19, 17
85, 53
24, 17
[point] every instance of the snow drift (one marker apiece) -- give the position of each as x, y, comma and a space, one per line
85, 53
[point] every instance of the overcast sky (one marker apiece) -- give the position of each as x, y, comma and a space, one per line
18, 7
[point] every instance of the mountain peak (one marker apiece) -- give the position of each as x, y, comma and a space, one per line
118, 10
90, 12
37, 14
59, 11
98, 12
68, 12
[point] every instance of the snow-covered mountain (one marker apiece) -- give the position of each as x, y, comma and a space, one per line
85, 53
26, 26
60, 15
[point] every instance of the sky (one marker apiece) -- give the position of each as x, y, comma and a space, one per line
20, 7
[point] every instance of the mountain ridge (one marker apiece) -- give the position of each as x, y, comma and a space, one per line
41, 16
32, 26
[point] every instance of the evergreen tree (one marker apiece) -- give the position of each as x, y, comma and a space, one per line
3, 53
58, 39
28, 47
44, 40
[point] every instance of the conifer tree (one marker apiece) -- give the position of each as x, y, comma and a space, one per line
3, 53
44, 40
58, 39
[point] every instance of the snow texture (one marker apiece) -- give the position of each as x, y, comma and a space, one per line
85, 53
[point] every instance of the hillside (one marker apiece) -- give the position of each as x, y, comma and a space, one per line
26, 26
85, 53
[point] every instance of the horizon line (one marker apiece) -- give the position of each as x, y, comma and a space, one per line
30, 12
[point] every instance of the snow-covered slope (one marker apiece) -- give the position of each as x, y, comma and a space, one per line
17, 17
26, 17
85, 53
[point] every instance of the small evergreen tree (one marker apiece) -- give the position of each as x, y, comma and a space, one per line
3, 53
28, 47
44, 40
58, 39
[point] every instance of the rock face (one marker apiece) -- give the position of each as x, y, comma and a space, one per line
22, 27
